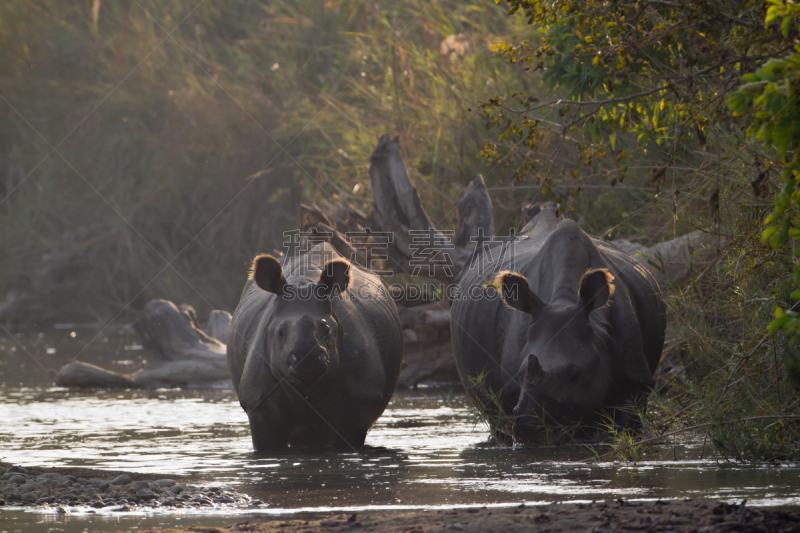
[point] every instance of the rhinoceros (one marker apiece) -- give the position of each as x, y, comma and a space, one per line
560, 330
314, 350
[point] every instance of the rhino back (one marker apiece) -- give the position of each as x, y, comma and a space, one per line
645, 299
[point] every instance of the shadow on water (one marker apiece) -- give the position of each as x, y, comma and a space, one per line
425, 451
320, 479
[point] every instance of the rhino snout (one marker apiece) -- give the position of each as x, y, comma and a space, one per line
309, 366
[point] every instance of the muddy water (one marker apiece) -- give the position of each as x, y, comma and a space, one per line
426, 451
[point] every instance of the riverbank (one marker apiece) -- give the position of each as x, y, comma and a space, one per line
61, 488
700, 516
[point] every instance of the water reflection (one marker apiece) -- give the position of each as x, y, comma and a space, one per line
425, 451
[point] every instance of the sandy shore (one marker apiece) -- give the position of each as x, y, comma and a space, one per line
684, 516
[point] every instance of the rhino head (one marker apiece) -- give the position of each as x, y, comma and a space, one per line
303, 335
566, 359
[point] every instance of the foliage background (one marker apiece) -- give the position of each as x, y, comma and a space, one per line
151, 149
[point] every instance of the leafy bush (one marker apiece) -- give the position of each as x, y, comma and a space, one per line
769, 101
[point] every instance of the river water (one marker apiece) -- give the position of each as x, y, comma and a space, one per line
426, 451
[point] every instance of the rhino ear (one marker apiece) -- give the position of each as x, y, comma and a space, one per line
517, 294
595, 290
335, 277
268, 275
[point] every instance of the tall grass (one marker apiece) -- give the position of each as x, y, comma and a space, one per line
150, 149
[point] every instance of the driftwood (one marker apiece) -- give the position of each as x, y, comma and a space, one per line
428, 353
416, 246
474, 215
672, 260
219, 322
181, 354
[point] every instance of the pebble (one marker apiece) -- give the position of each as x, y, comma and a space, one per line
147, 495
124, 479
122, 494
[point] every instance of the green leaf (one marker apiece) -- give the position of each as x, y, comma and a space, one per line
768, 233
784, 238
777, 324
786, 25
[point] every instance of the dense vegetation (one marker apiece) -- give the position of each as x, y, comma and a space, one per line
151, 148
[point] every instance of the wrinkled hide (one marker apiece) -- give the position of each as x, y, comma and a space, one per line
575, 328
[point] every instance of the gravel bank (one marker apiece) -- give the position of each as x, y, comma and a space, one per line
117, 491
683, 516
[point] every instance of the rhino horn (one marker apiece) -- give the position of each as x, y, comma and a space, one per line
534, 375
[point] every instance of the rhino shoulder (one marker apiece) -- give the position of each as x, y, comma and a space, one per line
246, 332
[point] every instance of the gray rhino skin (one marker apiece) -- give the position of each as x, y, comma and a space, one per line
314, 372
579, 328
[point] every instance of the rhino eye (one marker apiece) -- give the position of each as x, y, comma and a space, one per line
281, 333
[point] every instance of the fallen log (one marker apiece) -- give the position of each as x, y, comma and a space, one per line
428, 353
181, 354
219, 322
411, 243
672, 260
